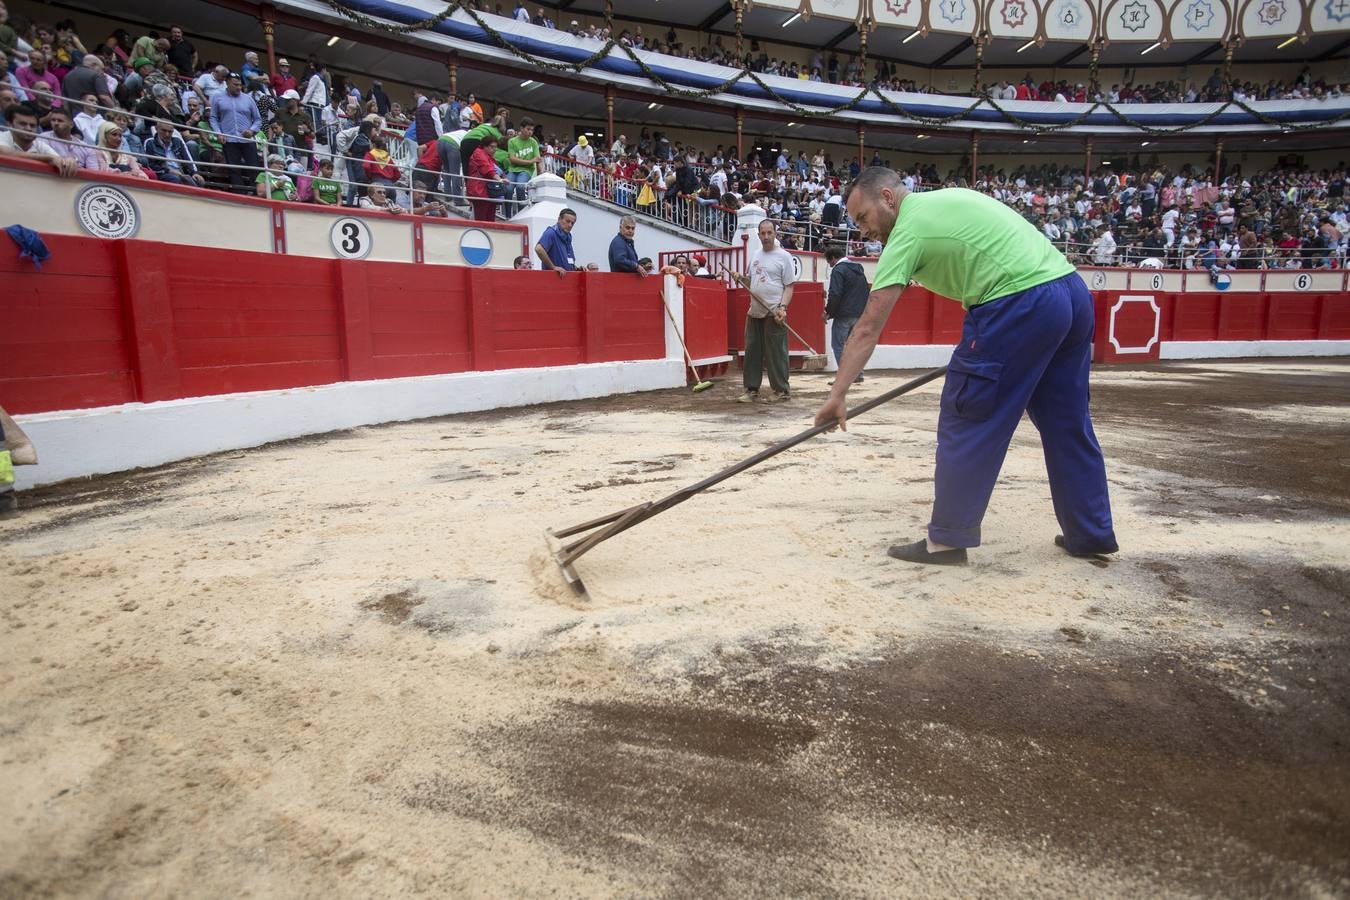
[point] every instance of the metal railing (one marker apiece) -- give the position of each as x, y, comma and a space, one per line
718, 260
349, 171
703, 215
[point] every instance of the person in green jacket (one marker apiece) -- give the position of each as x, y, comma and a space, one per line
472, 138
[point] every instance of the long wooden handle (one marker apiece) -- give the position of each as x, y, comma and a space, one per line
628, 518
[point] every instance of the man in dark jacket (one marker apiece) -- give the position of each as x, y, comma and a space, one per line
622, 254
847, 298
686, 179
167, 156
382, 103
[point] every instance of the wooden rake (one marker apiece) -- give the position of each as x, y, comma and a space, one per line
602, 529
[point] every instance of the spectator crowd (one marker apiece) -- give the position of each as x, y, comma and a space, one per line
151, 107
847, 69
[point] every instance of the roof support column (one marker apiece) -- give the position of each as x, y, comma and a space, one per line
270, 37
609, 114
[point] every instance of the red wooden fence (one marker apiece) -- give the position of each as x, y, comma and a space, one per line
705, 318
923, 317
108, 322
804, 315
1218, 316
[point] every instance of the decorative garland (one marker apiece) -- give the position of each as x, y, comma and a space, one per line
504, 42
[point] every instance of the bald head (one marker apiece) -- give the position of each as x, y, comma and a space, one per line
768, 234
872, 179
873, 201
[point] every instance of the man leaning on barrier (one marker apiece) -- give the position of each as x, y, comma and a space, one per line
22, 140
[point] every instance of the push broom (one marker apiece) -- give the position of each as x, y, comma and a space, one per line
589, 534
700, 383
813, 363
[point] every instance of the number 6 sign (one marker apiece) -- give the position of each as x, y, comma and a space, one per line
1302, 282
351, 238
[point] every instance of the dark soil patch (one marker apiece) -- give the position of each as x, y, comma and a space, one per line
87, 499
394, 608
1211, 439
694, 795
1147, 761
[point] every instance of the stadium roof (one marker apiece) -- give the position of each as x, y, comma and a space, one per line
510, 81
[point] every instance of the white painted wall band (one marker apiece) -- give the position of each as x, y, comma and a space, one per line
78, 443
1237, 349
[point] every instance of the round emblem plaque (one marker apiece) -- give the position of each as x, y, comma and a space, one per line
107, 212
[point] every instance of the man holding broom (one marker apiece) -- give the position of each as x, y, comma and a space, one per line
1026, 345
766, 335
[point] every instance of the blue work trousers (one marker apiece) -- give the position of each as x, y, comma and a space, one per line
840, 329
1027, 351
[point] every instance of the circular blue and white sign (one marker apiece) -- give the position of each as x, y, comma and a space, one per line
476, 247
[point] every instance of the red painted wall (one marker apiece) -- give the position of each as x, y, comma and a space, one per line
804, 315
1218, 316
108, 322
923, 317
705, 317
62, 334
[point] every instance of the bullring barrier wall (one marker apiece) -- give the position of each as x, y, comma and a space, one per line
122, 354
1145, 315
118, 354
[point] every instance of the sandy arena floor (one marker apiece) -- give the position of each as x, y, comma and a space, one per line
345, 666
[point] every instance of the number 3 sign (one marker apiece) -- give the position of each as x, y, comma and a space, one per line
350, 238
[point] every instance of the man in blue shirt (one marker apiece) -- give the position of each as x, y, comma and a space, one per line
235, 117
622, 254
555, 246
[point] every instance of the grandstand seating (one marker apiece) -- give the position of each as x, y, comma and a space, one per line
1182, 214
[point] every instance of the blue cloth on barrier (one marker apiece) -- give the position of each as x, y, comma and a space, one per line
1027, 351
30, 244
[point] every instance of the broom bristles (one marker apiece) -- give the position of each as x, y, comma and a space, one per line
814, 363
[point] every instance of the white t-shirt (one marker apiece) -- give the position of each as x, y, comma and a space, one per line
1103, 249
770, 274
209, 86
37, 148
584, 155
1169, 221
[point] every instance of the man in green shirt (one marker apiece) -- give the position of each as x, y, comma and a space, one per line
522, 153
1026, 345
